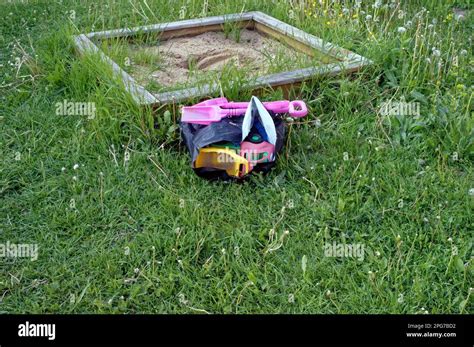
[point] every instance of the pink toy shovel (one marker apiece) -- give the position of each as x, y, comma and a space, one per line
214, 110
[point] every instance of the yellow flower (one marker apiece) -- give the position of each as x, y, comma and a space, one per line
355, 15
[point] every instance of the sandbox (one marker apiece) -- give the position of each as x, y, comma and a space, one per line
187, 59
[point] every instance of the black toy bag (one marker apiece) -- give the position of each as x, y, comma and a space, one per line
257, 121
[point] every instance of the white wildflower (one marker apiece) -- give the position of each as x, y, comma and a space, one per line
76, 166
401, 30
377, 4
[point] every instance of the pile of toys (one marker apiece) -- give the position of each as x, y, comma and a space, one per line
232, 139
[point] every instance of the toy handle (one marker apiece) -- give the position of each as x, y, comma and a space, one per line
275, 106
297, 109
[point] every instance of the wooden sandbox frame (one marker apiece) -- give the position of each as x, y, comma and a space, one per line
337, 59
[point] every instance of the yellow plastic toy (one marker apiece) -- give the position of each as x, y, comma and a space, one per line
223, 159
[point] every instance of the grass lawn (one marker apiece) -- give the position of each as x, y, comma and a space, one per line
131, 228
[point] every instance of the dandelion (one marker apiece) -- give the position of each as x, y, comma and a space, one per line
127, 251
110, 301
76, 166
450, 239
377, 4
291, 298
328, 293
63, 169
401, 30
136, 270
74, 178
463, 52
471, 192
368, 17
400, 298
436, 52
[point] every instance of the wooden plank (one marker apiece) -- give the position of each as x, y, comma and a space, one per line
300, 46
168, 34
139, 94
311, 40
172, 26
282, 79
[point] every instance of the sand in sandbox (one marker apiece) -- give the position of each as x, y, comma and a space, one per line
212, 51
